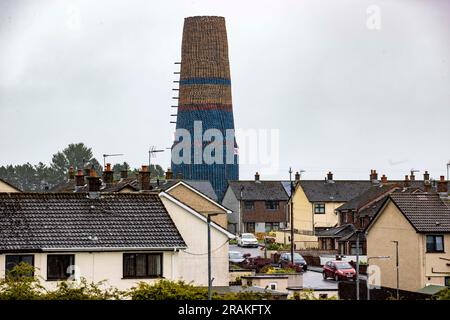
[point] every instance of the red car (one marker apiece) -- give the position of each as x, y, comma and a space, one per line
339, 270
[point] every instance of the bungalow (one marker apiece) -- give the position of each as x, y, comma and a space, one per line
418, 225
122, 238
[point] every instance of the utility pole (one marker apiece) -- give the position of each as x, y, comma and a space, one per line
292, 214
448, 170
240, 210
396, 267
357, 264
209, 255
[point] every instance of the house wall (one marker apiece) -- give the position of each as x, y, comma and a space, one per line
97, 266
199, 204
392, 225
4, 187
302, 211
231, 202
192, 263
330, 218
261, 214
436, 266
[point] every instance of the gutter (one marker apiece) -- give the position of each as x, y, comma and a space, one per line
111, 249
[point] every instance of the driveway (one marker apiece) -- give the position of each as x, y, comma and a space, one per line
311, 279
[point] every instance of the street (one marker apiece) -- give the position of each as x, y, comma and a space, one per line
311, 279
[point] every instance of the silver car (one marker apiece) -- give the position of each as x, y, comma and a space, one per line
235, 257
248, 240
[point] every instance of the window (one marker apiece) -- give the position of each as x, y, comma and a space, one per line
435, 243
142, 265
250, 227
249, 205
319, 208
14, 260
58, 266
447, 281
272, 205
272, 226
272, 286
353, 250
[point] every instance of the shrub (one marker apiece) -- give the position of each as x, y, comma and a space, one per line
167, 290
21, 284
83, 291
443, 294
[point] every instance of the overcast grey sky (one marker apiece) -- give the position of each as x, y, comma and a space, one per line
344, 97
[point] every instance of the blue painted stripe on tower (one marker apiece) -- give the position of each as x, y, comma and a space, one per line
221, 81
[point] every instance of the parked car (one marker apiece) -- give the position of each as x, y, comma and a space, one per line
235, 257
285, 259
248, 240
339, 270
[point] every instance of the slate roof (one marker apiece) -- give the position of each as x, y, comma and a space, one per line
427, 212
337, 232
371, 194
39, 221
259, 190
203, 186
335, 191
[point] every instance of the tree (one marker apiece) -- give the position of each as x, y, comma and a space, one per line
76, 155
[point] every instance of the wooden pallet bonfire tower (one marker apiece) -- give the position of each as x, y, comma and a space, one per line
205, 95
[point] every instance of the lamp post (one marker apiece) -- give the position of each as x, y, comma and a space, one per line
368, 264
209, 255
396, 267
357, 264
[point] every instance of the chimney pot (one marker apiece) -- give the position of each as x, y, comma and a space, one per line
79, 178
256, 176
144, 178
297, 176
169, 174
426, 176
71, 173
442, 186
329, 176
373, 176
383, 178
406, 183
94, 183
108, 174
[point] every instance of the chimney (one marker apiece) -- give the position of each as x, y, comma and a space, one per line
406, 183
87, 170
383, 179
124, 174
108, 174
330, 176
256, 176
79, 178
442, 185
71, 173
412, 177
144, 178
297, 176
426, 176
94, 183
373, 176
169, 174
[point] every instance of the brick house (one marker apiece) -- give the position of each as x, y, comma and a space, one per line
256, 205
